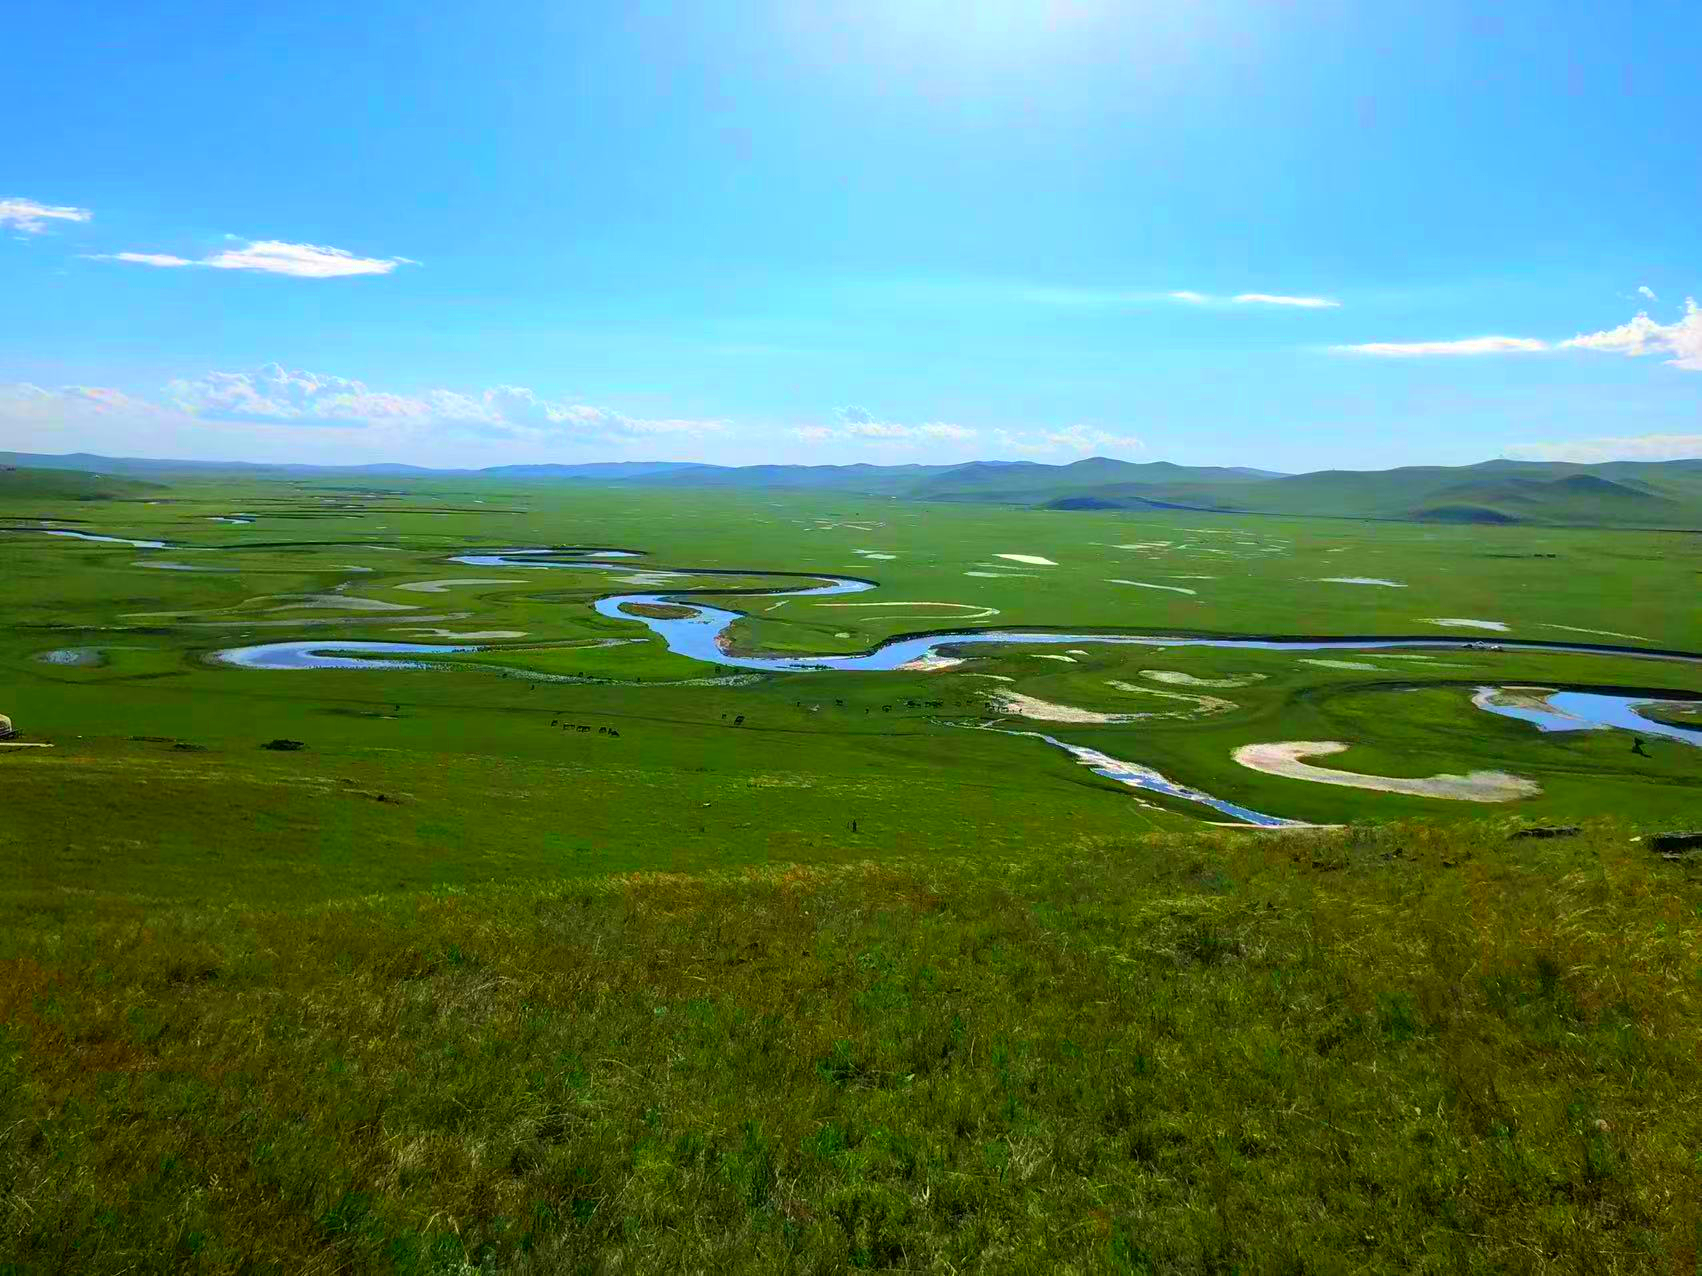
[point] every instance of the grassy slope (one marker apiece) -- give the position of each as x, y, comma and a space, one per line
21, 485
1650, 495
1415, 1049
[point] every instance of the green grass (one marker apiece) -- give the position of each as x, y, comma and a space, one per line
1406, 1050
632, 966
1678, 715
25, 484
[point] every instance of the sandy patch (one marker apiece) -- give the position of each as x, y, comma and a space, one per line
23, 744
991, 677
1521, 698
932, 662
1046, 655
1601, 633
1356, 665
1176, 678
181, 567
1284, 759
439, 586
1460, 622
1045, 711
1141, 584
1033, 560
1359, 580
1202, 704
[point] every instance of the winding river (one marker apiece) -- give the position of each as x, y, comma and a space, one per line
702, 635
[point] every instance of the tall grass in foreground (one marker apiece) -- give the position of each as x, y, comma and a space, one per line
1416, 1049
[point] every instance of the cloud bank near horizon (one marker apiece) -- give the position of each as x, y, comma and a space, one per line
278, 401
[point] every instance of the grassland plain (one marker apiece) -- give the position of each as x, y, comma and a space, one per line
458, 983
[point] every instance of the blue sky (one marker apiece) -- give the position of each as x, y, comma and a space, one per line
895, 230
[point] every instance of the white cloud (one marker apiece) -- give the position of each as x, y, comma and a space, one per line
32, 414
100, 398
1647, 292
277, 394
144, 259
1079, 438
1468, 346
274, 257
1643, 447
946, 432
1115, 298
860, 424
879, 430
1643, 336
1273, 299
31, 218
937, 431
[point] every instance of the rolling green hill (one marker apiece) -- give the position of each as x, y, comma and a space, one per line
1649, 494
1032, 483
1653, 494
67, 485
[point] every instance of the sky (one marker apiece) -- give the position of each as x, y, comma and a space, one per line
1293, 236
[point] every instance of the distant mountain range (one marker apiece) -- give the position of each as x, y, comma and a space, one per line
1616, 493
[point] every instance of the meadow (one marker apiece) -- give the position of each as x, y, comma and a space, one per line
570, 952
